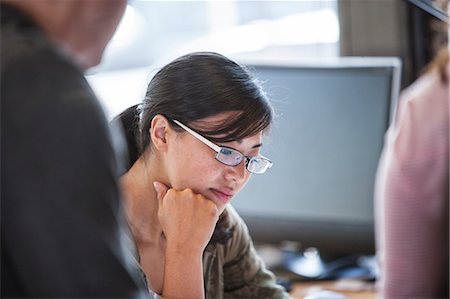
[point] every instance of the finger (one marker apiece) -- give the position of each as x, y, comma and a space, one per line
161, 191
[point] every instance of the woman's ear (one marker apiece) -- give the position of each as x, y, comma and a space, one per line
159, 131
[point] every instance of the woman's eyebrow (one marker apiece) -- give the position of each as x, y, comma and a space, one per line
255, 146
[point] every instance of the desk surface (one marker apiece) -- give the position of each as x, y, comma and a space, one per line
348, 288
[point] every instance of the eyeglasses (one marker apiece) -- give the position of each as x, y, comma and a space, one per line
230, 156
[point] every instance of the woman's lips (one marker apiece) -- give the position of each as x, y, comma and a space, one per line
223, 196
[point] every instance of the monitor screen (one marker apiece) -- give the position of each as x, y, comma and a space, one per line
325, 145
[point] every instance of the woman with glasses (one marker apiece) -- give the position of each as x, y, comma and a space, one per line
194, 142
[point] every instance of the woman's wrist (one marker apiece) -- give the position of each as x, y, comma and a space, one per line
184, 249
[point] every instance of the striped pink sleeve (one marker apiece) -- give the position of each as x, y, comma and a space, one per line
412, 195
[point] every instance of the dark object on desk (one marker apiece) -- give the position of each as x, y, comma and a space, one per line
309, 265
285, 282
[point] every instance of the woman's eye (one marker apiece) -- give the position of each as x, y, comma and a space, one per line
226, 151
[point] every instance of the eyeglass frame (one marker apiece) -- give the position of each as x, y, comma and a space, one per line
218, 148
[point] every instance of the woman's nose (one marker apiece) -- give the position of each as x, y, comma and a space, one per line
237, 173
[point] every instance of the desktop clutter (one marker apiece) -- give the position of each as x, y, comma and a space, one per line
352, 273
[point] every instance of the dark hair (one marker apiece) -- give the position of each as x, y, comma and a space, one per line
196, 86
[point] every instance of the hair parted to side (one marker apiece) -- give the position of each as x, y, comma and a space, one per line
196, 86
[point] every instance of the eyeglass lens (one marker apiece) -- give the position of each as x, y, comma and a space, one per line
233, 157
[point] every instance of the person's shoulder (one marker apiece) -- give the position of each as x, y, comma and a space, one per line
21, 38
43, 89
425, 102
427, 88
38, 75
419, 132
45, 67
28, 57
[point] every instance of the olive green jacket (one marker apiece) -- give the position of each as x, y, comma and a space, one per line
234, 269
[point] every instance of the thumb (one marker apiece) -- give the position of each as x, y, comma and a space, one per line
161, 191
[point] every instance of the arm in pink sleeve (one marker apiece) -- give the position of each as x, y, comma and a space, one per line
412, 195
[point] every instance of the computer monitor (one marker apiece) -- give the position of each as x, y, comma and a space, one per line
325, 145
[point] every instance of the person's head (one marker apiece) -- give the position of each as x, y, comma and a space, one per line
82, 27
220, 100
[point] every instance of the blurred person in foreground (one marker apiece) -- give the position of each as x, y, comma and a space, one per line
63, 231
412, 195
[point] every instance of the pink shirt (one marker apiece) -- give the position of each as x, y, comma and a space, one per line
412, 195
